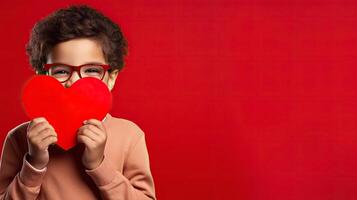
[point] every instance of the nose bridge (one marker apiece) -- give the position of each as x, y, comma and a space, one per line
74, 77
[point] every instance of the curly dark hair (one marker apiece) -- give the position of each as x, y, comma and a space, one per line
76, 21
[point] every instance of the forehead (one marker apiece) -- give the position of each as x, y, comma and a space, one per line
76, 52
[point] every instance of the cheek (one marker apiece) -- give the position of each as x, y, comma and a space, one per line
105, 80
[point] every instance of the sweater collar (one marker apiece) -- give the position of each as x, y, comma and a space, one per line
107, 117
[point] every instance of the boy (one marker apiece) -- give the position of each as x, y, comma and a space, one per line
111, 160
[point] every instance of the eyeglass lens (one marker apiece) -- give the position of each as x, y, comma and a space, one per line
63, 72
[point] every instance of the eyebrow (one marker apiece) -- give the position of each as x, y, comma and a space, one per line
87, 63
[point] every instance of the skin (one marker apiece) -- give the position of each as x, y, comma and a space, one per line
92, 133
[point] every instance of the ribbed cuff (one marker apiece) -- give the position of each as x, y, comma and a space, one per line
29, 175
103, 174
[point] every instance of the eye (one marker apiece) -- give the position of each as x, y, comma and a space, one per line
92, 70
60, 72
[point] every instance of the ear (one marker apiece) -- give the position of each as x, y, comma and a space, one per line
112, 77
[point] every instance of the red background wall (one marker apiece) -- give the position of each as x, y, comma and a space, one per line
239, 99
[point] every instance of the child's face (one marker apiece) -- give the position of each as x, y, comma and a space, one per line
78, 52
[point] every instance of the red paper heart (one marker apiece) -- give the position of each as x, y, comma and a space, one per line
66, 108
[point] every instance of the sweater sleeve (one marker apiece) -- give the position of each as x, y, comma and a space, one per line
18, 179
136, 181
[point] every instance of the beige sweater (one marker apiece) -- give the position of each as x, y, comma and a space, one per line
124, 173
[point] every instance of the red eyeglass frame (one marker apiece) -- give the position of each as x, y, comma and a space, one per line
76, 68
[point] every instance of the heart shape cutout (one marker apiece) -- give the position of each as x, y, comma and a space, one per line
66, 108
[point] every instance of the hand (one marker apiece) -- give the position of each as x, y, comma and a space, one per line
94, 136
40, 134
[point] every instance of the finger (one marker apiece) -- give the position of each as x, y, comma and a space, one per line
37, 139
40, 127
48, 141
39, 119
87, 132
45, 133
35, 121
88, 142
95, 122
37, 128
94, 129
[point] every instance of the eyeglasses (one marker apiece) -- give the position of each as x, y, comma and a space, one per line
62, 72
